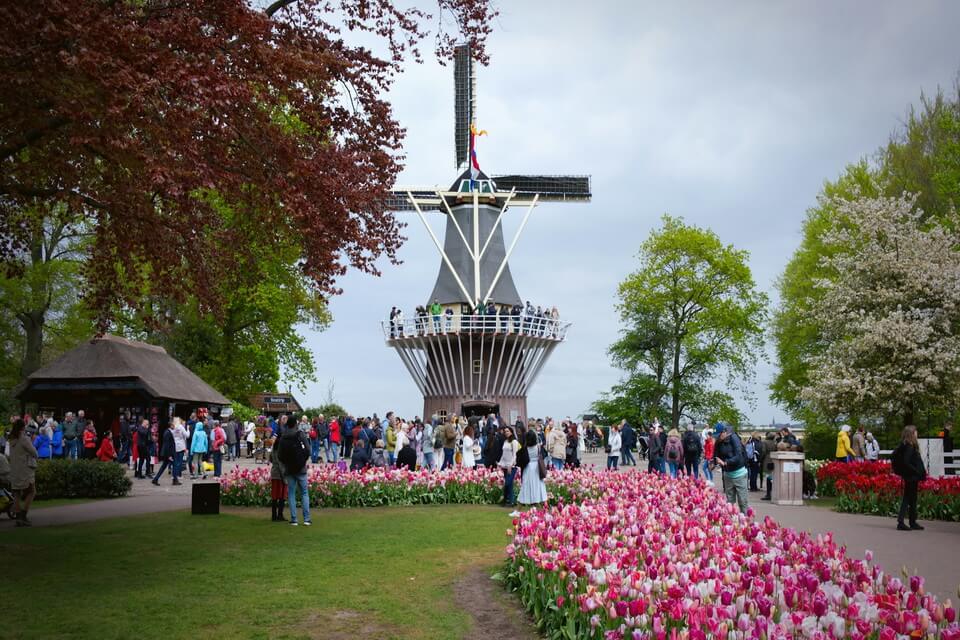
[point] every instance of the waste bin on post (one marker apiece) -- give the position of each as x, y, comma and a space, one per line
787, 478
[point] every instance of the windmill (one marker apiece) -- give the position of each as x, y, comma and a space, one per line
464, 361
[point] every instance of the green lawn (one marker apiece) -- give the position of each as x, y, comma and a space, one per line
62, 502
357, 573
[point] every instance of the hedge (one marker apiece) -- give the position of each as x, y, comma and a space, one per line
64, 478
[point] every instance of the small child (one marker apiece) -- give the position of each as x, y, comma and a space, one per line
378, 459
278, 488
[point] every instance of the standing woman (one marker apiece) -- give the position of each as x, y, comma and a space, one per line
89, 441
218, 447
468, 458
614, 443
532, 488
23, 471
198, 449
908, 464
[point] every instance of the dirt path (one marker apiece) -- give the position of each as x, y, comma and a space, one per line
497, 615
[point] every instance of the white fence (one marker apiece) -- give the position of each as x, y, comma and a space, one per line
931, 450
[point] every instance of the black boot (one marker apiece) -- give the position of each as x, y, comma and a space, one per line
280, 517
769, 489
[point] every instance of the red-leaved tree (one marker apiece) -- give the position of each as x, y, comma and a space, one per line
183, 130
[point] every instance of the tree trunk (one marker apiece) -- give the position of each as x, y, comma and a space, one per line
675, 407
32, 323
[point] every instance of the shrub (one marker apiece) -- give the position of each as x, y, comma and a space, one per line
81, 479
820, 441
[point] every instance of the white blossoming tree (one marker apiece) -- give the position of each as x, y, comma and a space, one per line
889, 315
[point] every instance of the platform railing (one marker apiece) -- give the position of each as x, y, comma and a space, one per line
523, 325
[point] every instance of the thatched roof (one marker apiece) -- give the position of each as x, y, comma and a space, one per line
113, 360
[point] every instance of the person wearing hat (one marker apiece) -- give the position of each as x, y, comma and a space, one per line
844, 450
730, 455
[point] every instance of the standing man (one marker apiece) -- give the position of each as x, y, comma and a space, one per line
731, 456
126, 433
692, 451
450, 443
333, 440
143, 448
655, 451
71, 433
293, 456
858, 443
556, 445
629, 439
426, 443
435, 311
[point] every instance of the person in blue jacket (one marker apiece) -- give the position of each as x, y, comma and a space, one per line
56, 444
42, 444
198, 449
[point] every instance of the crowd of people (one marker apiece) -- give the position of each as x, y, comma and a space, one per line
202, 444
484, 318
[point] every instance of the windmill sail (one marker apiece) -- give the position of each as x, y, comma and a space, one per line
464, 101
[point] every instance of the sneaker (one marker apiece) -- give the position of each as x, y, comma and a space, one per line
514, 514
154, 481
307, 523
176, 482
915, 527
902, 527
293, 523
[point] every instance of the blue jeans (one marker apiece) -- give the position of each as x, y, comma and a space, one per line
392, 458
448, 459
626, 456
508, 476
314, 451
705, 467
217, 463
293, 484
333, 451
612, 462
70, 448
557, 462
428, 460
178, 464
673, 468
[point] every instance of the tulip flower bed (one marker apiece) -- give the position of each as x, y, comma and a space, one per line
829, 474
378, 486
938, 499
657, 558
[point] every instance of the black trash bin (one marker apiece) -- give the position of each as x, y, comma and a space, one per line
206, 498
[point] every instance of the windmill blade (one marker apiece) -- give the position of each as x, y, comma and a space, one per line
398, 199
464, 101
549, 188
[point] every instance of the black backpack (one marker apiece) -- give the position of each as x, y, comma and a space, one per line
323, 430
293, 453
896, 460
691, 443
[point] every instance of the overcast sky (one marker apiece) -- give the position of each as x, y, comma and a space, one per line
730, 115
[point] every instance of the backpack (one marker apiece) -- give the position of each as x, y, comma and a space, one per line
751, 451
323, 430
690, 443
437, 438
896, 460
293, 453
673, 449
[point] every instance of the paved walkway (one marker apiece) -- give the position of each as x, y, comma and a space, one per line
933, 553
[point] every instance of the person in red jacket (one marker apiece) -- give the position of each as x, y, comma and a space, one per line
107, 452
219, 438
89, 441
333, 447
709, 443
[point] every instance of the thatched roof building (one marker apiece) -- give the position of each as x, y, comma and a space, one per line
117, 372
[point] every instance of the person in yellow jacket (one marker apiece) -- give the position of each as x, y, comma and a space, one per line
844, 451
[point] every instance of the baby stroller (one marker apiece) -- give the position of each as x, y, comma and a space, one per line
6, 498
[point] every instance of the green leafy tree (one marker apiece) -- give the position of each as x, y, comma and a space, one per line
692, 313
43, 313
923, 157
